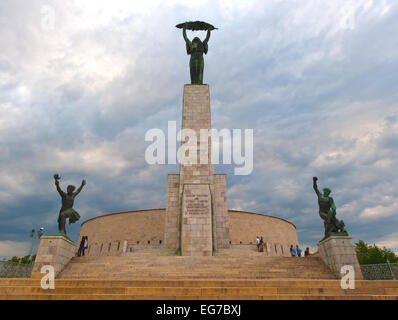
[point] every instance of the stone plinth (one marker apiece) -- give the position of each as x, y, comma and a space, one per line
55, 251
337, 252
196, 237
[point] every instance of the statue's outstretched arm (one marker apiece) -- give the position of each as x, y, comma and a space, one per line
315, 186
207, 37
80, 188
61, 193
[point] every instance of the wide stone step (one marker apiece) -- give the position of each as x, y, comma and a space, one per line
200, 283
191, 297
196, 290
189, 289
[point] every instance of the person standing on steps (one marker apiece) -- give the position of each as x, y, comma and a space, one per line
258, 243
298, 250
85, 246
292, 251
261, 244
307, 252
81, 246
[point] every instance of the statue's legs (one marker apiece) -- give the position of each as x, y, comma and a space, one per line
61, 223
324, 217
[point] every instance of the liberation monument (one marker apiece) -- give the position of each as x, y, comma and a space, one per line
196, 221
196, 213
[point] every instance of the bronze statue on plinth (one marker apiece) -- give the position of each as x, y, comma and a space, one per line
68, 199
196, 48
327, 211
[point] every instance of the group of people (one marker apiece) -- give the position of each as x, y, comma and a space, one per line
296, 252
83, 246
260, 244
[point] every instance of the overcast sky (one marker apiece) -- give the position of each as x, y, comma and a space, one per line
82, 81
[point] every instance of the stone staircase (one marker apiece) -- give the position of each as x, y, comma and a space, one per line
227, 289
144, 266
152, 274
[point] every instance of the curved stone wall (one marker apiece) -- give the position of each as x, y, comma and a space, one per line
121, 232
111, 233
278, 234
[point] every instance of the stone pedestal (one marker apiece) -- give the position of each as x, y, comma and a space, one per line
197, 177
55, 251
337, 252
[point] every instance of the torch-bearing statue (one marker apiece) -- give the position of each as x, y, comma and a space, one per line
196, 48
327, 211
68, 199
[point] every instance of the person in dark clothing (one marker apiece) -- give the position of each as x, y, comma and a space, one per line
81, 246
261, 245
85, 244
307, 252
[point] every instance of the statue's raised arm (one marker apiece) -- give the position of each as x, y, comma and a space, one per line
80, 188
207, 37
56, 178
184, 34
315, 186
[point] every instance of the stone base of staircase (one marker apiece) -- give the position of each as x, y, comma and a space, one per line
230, 275
227, 289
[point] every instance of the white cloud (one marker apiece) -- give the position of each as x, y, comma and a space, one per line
380, 211
390, 242
14, 248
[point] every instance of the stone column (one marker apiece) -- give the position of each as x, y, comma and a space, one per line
338, 251
55, 251
197, 180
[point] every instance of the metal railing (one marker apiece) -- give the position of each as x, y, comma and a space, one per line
10, 269
382, 271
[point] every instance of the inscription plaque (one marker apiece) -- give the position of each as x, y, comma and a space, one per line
196, 226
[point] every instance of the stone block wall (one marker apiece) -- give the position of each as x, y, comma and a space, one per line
278, 234
55, 251
109, 234
337, 252
171, 235
221, 216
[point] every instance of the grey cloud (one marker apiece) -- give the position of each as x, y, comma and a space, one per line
310, 90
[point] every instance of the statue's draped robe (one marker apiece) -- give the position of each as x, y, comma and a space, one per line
196, 62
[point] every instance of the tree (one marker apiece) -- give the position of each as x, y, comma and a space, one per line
24, 260
372, 254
